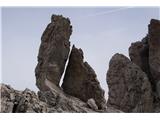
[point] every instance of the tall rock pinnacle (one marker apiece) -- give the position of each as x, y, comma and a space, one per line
80, 80
53, 52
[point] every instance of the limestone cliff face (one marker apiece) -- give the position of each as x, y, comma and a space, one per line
53, 52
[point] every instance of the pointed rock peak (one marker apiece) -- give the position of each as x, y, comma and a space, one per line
77, 53
80, 80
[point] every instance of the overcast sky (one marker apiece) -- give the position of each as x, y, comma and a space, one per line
100, 32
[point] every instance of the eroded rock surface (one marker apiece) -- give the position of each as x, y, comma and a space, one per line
146, 54
129, 87
81, 81
154, 52
92, 104
53, 52
139, 54
52, 101
13, 101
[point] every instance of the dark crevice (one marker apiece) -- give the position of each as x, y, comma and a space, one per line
14, 108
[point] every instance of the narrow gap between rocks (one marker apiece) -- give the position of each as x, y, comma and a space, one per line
62, 77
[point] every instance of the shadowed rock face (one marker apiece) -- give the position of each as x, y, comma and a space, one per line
81, 81
53, 52
154, 52
129, 87
139, 54
146, 54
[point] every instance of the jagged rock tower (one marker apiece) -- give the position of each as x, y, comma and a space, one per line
80, 80
53, 52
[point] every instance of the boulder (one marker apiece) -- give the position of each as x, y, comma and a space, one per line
129, 87
92, 104
53, 52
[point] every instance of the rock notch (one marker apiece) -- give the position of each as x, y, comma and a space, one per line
129, 87
80, 80
53, 52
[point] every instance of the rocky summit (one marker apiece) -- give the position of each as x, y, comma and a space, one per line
134, 84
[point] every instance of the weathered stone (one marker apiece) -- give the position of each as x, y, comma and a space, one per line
154, 52
81, 81
13, 101
53, 52
112, 110
92, 104
129, 87
48, 97
139, 54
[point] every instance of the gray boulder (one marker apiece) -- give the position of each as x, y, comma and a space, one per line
92, 104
